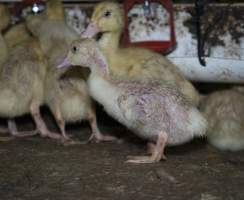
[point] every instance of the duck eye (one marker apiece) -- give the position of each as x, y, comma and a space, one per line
74, 49
107, 13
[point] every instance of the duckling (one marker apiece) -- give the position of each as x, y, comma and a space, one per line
21, 86
3, 57
225, 113
49, 31
154, 111
68, 97
55, 10
108, 19
17, 34
4, 22
55, 37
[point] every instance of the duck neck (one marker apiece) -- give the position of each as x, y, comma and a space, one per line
99, 68
109, 41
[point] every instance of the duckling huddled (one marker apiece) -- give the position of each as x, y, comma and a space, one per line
225, 112
139, 88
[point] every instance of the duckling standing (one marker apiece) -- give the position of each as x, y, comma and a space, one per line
21, 86
156, 112
68, 97
225, 111
108, 19
4, 22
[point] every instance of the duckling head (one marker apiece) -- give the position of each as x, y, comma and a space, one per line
86, 53
107, 17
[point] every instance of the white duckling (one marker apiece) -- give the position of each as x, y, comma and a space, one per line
156, 112
225, 113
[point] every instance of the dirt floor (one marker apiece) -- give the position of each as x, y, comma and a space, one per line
37, 168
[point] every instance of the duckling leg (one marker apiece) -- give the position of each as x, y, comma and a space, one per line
96, 133
12, 129
41, 126
15, 133
61, 124
157, 151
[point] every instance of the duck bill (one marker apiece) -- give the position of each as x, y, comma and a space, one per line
64, 63
91, 30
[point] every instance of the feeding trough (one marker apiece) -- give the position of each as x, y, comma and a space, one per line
150, 9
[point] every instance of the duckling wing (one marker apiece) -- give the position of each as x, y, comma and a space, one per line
141, 106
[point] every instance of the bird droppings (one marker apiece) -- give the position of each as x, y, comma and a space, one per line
222, 30
141, 28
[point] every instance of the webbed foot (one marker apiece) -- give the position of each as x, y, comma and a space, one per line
156, 151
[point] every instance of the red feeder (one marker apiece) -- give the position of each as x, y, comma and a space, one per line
19, 6
162, 46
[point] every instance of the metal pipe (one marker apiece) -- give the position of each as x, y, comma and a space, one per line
218, 70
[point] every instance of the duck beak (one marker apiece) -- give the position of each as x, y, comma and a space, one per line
91, 30
64, 63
